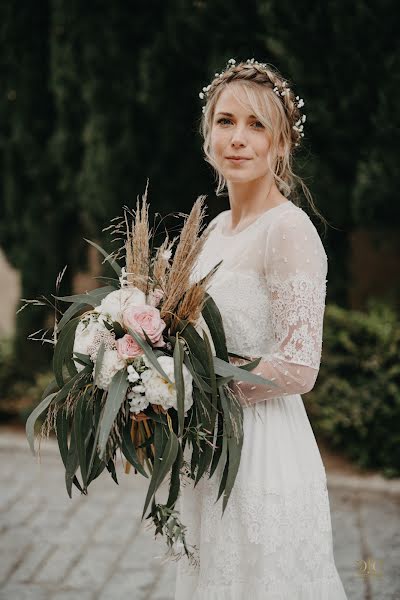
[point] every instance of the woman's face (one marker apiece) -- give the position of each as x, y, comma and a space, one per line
236, 132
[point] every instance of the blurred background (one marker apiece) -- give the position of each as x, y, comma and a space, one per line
98, 97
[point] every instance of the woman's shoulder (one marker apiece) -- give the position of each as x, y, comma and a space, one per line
293, 228
292, 220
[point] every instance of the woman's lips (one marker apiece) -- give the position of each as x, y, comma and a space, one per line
238, 160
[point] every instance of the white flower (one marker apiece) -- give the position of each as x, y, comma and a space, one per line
159, 391
89, 334
116, 302
201, 95
137, 402
111, 364
138, 389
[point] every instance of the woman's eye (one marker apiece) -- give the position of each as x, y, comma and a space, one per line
258, 123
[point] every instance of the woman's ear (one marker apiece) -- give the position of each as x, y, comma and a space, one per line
281, 149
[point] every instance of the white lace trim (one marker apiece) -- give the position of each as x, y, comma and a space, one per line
297, 311
262, 528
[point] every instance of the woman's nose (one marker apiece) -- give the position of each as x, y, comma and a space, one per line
238, 136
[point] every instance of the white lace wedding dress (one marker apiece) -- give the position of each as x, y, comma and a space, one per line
274, 541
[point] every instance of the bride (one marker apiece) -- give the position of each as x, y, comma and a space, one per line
274, 540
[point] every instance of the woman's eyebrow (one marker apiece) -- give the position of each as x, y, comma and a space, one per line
228, 114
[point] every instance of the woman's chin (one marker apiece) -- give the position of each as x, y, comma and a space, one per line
238, 177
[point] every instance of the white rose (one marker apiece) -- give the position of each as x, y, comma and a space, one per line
116, 302
159, 391
111, 364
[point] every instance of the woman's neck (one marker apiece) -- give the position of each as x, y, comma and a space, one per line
249, 199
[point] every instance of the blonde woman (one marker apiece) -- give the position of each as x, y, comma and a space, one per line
274, 541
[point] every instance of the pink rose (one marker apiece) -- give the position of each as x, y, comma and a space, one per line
155, 297
147, 318
127, 347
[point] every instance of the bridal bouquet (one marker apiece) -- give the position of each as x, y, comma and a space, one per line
141, 365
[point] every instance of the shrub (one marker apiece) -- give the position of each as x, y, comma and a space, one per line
355, 404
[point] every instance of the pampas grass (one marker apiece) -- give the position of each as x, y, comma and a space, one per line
183, 300
137, 247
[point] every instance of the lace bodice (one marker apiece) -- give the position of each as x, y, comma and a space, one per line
270, 290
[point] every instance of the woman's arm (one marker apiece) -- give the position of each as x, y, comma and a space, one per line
295, 268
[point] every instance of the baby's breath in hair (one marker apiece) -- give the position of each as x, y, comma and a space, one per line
273, 101
281, 88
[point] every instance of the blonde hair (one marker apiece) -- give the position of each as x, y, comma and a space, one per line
278, 114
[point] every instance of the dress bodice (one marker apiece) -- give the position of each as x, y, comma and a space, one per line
253, 284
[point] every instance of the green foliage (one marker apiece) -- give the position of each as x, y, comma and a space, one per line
95, 101
356, 402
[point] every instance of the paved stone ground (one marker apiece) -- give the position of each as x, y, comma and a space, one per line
96, 548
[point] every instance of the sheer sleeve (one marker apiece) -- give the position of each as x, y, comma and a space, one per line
295, 268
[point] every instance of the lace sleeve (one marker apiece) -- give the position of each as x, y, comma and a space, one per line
295, 267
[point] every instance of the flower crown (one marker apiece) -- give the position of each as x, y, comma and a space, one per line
280, 90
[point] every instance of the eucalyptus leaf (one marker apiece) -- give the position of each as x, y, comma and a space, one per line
92, 298
99, 361
128, 449
234, 453
108, 257
80, 423
179, 384
71, 464
111, 469
83, 359
30, 423
194, 341
227, 369
62, 433
109, 280
218, 444
49, 389
70, 312
149, 353
212, 317
63, 349
76, 383
118, 330
174, 484
116, 395
167, 460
